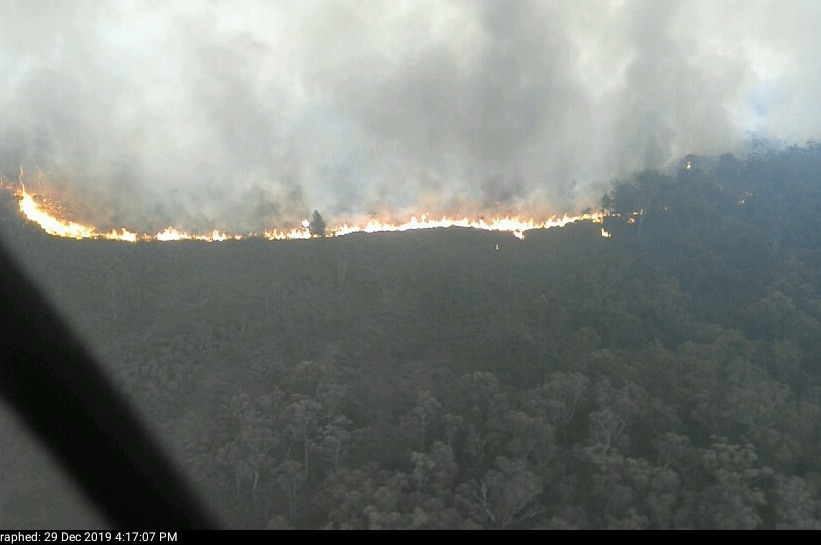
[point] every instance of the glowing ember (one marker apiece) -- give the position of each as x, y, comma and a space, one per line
51, 221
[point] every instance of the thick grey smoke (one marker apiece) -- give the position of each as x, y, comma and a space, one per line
249, 114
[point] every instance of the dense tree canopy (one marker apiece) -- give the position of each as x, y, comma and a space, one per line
665, 377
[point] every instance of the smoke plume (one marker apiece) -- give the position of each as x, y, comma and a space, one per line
250, 114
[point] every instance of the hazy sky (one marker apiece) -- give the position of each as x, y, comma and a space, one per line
247, 114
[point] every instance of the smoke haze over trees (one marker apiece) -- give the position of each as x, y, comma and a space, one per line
665, 377
242, 116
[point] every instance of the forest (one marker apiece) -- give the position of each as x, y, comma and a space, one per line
665, 377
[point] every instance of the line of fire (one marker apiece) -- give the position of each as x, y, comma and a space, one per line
49, 217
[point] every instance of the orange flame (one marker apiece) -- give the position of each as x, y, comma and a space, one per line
512, 224
37, 210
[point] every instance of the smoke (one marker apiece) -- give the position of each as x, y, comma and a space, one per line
250, 114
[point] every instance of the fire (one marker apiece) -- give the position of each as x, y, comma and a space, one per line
124, 235
511, 224
292, 234
36, 212
49, 218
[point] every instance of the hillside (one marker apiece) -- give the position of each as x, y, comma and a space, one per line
664, 377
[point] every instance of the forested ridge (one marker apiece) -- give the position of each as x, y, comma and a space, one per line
668, 376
